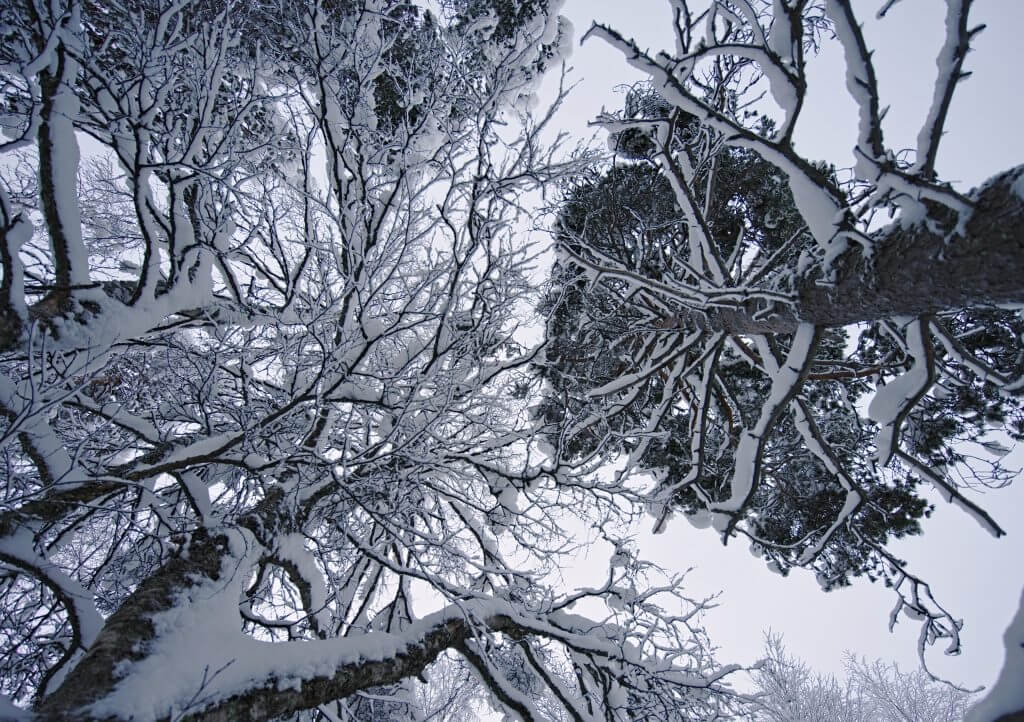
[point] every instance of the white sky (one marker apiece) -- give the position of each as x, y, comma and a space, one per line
972, 574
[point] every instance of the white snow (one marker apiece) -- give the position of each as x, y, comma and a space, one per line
204, 447
945, 64
64, 158
784, 381
1018, 183
1007, 695
19, 549
891, 400
293, 549
31, 413
200, 496
18, 235
700, 519
858, 76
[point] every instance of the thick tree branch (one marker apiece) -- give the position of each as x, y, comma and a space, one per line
919, 270
916, 270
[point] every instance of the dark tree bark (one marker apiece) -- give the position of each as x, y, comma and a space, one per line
920, 270
916, 270
129, 633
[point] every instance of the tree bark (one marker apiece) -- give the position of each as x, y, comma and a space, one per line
918, 270
129, 634
915, 270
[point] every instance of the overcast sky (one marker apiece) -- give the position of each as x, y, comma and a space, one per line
974, 575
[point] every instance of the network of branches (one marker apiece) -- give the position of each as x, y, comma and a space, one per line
789, 691
275, 441
739, 324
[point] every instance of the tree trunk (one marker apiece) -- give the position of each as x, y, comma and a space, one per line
920, 270
924, 268
128, 631
129, 634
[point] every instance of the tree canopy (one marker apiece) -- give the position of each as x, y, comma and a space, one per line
719, 273
275, 442
629, 216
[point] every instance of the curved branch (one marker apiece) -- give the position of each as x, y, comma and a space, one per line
786, 383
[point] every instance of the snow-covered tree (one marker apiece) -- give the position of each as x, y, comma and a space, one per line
790, 691
629, 214
719, 274
264, 452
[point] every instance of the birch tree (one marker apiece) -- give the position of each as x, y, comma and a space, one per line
719, 273
263, 450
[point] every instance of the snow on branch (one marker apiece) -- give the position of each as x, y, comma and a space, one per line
242, 676
265, 401
724, 307
786, 379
